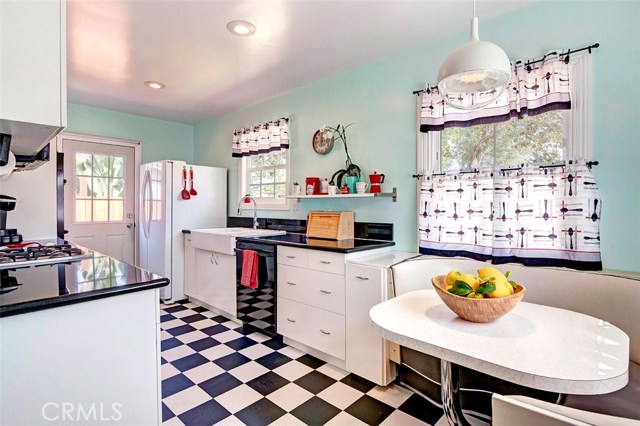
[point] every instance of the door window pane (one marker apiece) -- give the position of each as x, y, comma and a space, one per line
99, 188
100, 210
83, 164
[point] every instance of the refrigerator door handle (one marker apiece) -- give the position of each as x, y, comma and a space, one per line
145, 187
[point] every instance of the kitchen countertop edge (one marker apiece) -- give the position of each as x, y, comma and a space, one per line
322, 248
54, 302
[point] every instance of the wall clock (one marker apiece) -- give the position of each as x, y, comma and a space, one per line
321, 143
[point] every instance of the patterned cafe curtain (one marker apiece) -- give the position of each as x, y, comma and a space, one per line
533, 89
536, 216
260, 139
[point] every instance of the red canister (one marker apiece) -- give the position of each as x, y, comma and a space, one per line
312, 185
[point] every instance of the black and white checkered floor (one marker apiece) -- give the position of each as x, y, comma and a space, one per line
213, 374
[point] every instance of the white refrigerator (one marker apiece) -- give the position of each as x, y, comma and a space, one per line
164, 213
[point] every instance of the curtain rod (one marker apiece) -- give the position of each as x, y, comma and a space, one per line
589, 165
528, 63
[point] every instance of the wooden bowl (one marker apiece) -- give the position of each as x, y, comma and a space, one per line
477, 310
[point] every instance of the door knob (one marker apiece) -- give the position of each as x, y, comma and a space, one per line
131, 225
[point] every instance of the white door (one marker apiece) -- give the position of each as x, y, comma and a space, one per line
99, 196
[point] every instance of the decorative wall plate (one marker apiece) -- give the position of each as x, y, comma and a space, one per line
320, 143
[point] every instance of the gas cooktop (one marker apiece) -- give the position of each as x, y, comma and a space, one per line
32, 254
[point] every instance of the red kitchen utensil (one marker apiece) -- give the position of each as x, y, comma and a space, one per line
192, 191
185, 192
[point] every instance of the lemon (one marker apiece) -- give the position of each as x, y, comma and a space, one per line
470, 279
503, 289
447, 287
452, 277
497, 277
474, 295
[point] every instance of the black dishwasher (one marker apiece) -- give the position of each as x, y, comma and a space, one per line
256, 308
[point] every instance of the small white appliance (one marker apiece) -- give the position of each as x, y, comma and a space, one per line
165, 212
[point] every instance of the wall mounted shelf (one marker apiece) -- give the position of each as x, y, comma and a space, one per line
393, 194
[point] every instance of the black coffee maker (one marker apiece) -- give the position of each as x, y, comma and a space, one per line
7, 236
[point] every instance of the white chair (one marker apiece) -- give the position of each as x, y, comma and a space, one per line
525, 411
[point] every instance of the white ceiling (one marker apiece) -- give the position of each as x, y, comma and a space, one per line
113, 46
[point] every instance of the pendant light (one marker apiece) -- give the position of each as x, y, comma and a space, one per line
477, 67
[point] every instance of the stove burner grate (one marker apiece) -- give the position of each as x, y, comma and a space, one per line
36, 254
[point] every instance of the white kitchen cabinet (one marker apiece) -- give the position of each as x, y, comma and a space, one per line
210, 278
311, 301
33, 104
100, 356
367, 352
368, 281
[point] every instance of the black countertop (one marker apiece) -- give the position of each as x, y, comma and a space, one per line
50, 286
300, 240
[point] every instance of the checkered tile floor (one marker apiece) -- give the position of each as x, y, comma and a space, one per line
214, 374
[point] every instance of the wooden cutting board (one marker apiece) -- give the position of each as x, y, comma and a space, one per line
330, 225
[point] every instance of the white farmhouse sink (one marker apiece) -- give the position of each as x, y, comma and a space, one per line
223, 240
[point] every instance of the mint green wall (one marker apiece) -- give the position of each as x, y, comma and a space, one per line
377, 98
159, 139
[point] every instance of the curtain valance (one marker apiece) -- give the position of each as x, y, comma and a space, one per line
261, 139
534, 88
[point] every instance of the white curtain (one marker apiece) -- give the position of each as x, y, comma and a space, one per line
260, 139
535, 87
536, 216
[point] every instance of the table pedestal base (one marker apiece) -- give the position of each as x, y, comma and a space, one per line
450, 393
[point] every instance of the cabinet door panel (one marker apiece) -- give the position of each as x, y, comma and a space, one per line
365, 349
215, 280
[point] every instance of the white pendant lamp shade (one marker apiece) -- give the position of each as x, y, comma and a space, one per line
476, 67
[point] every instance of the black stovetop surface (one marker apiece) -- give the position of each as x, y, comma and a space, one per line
32, 288
301, 240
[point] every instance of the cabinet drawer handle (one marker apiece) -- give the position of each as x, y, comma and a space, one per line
290, 320
290, 283
291, 257
325, 262
325, 292
362, 278
324, 332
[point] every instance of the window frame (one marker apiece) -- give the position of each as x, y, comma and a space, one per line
577, 133
262, 203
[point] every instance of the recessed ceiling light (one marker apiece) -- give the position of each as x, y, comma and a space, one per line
241, 28
154, 84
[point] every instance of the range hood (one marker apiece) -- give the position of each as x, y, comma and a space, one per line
24, 162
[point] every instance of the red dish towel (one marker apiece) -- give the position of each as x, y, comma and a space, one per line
249, 276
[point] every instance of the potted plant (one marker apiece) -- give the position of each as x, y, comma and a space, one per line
351, 169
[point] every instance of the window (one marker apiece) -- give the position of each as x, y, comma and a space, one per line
533, 140
99, 188
545, 138
265, 178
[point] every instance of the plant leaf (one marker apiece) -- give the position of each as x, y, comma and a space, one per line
506, 274
460, 288
486, 288
513, 284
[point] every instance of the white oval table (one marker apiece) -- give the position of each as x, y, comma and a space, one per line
538, 346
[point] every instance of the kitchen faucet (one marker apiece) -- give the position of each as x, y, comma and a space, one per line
255, 209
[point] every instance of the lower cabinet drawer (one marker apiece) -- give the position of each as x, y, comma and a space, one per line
318, 289
317, 328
